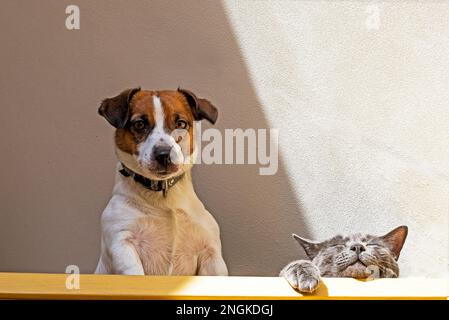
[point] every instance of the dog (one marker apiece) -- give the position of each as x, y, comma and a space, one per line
154, 224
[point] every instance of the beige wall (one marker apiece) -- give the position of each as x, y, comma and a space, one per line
362, 115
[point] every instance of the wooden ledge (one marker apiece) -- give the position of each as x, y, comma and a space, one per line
53, 286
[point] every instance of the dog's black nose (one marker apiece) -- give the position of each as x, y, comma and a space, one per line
357, 248
162, 155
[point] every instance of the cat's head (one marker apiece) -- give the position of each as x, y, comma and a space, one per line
357, 255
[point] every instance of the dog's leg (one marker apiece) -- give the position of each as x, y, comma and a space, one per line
211, 264
125, 259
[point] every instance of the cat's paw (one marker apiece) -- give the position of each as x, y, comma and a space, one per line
308, 283
302, 275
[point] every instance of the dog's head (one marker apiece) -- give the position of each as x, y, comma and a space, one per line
155, 129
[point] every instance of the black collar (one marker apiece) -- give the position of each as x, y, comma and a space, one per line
153, 185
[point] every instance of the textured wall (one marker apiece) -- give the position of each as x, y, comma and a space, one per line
363, 117
364, 113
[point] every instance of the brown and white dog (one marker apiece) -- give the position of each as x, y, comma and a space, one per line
154, 223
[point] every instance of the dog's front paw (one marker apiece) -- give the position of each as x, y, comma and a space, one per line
302, 275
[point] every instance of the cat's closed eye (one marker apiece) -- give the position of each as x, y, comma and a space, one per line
373, 244
338, 246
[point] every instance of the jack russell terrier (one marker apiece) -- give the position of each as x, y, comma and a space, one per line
154, 223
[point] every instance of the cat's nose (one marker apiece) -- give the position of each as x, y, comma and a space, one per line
357, 248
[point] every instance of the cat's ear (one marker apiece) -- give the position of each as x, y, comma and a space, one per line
312, 248
395, 239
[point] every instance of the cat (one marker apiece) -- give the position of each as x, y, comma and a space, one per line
357, 256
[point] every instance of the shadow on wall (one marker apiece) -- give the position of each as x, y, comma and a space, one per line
157, 45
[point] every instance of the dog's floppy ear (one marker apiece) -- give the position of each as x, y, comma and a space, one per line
201, 108
116, 109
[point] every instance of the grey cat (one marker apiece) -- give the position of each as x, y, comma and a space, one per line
356, 256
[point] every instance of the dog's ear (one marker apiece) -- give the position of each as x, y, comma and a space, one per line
201, 108
116, 109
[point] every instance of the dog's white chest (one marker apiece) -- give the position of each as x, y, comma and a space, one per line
169, 244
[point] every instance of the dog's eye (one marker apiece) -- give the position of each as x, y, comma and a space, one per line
181, 124
139, 125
